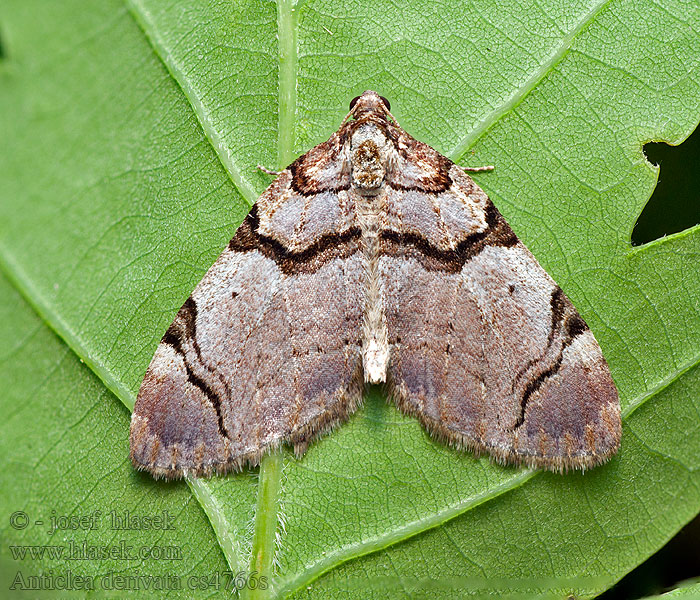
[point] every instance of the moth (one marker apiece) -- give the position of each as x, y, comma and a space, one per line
373, 259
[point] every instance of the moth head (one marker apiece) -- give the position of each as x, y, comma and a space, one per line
370, 101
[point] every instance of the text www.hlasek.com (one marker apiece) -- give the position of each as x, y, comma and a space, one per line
84, 551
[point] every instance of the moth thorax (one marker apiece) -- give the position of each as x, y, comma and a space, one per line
367, 166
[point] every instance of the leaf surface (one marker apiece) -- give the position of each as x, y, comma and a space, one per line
132, 134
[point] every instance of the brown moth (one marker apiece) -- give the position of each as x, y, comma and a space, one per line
372, 258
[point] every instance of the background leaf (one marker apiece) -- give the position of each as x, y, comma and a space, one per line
63, 448
132, 135
688, 591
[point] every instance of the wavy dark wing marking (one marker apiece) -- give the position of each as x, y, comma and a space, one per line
266, 349
486, 350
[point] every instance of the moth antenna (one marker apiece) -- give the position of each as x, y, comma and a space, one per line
478, 169
269, 171
393, 118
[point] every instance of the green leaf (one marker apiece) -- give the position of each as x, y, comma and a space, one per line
64, 465
131, 138
689, 590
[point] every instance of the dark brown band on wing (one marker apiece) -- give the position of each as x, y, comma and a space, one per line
573, 326
304, 186
557, 303
413, 245
433, 182
184, 327
323, 169
323, 250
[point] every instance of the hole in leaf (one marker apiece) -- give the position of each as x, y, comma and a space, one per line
675, 203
